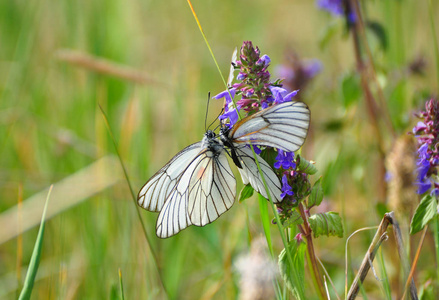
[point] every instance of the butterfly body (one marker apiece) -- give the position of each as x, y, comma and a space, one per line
197, 185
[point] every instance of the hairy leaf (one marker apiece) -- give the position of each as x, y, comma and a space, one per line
294, 274
425, 211
316, 196
306, 166
293, 220
328, 224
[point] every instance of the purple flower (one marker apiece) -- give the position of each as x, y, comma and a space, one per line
312, 67
286, 188
336, 8
225, 94
284, 160
419, 127
299, 238
281, 95
232, 115
240, 76
264, 60
423, 186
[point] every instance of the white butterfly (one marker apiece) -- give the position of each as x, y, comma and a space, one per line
197, 185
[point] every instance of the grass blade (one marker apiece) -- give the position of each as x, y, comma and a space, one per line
36, 255
263, 208
121, 285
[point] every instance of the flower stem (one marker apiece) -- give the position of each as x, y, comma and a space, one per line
311, 256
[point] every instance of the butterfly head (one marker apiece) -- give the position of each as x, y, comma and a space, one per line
209, 135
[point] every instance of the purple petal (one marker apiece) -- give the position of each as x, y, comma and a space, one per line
423, 186
289, 96
225, 94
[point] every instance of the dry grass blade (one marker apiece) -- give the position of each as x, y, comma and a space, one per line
92, 179
103, 66
380, 236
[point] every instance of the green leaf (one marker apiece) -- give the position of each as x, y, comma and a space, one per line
294, 275
425, 211
246, 192
293, 220
316, 196
379, 32
350, 89
328, 224
36, 256
305, 166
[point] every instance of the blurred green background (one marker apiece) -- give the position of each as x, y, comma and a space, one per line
52, 130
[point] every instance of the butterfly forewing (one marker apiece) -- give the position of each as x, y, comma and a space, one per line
154, 193
283, 126
212, 189
250, 173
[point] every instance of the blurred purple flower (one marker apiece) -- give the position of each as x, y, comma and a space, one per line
336, 8
297, 73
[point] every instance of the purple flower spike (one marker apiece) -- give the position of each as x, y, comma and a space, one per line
427, 134
286, 188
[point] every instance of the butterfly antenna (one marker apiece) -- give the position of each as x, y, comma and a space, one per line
214, 120
207, 111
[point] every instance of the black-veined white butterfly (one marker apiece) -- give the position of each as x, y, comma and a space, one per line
197, 185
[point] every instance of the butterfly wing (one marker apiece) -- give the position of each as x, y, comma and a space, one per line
250, 173
157, 190
212, 189
283, 126
205, 190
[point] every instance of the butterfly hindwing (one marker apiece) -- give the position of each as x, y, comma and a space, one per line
250, 173
212, 189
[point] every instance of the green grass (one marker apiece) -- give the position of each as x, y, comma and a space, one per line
51, 127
